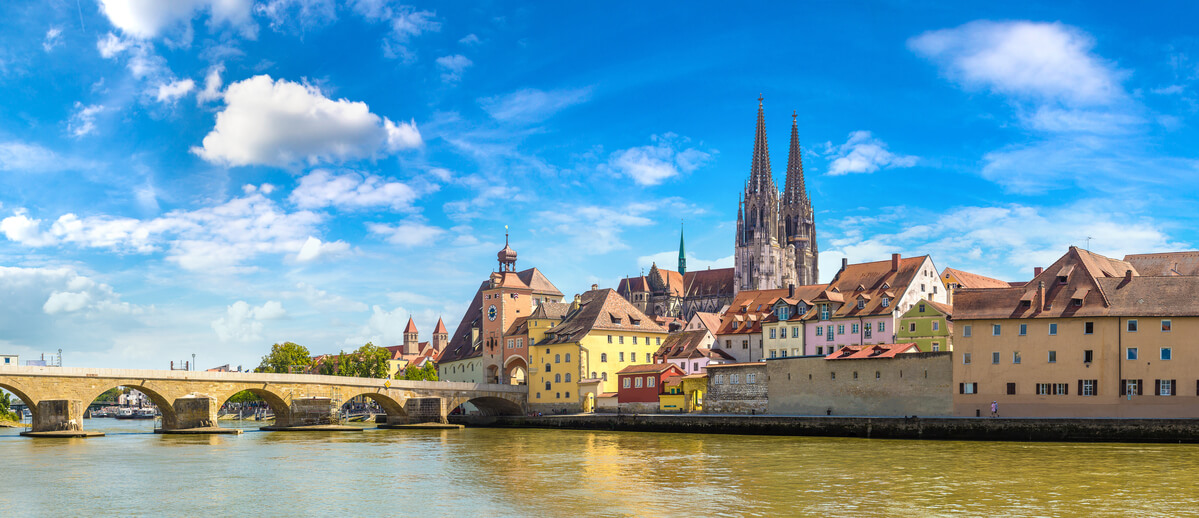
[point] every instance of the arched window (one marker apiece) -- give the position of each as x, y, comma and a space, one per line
547, 367
593, 375
557, 378
557, 358
603, 357
567, 357
568, 378
604, 376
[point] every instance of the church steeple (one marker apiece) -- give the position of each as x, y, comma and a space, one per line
795, 189
760, 178
682, 254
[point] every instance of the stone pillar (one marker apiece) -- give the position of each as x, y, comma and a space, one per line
425, 410
310, 411
191, 412
58, 414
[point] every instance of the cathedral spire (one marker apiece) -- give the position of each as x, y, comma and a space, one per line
760, 179
682, 255
795, 190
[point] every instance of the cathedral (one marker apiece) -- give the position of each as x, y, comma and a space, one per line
775, 245
776, 232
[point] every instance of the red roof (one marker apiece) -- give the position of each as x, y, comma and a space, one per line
411, 326
649, 367
440, 329
857, 352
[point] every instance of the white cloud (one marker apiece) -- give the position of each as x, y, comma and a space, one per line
594, 229
110, 45
83, 120
58, 291
469, 39
1046, 61
143, 62
862, 153
31, 158
408, 233
149, 18
653, 164
351, 190
268, 122
171, 92
325, 301
53, 39
670, 259
212, 85
452, 67
532, 105
404, 21
314, 249
66, 302
243, 322
297, 15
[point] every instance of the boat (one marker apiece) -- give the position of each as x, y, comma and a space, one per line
146, 413
135, 413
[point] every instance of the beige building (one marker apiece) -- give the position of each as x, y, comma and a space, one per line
1088, 336
903, 384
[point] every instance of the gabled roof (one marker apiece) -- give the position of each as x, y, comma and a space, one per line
749, 307
535, 280
972, 280
519, 327
650, 368
550, 311
682, 344
461, 345
601, 310
411, 327
1165, 264
858, 352
937, 307
879, 282
710, 321
440, 329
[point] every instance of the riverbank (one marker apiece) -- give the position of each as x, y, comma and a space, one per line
933, 428
10, 424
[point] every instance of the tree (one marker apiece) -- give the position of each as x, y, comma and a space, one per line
110, 395
426, 373
371, 361
244, 396
283, 357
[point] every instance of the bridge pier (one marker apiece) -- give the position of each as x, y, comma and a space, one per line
193, 414
311, 414
59, 418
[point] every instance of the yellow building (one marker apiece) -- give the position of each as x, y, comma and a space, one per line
601, 334
1088, 337
928, 324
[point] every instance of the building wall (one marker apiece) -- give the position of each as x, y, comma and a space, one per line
469, 370
591, 357
843, 333
548, 378
672, 403
788, 340
918, 384
924, 335
1109, 343
743, 397
743, 347
690, 365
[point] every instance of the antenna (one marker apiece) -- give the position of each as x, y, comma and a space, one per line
1089, 238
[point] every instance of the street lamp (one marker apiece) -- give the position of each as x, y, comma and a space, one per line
193, 361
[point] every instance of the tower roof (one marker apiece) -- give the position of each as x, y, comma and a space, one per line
795, 189
760, 178
411, 328
440, 329
682, 254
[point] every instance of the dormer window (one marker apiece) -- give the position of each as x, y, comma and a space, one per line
1061, 279
735, 325
1076, 302
861, 303
887, 302
783, 313
886, 286
824, 312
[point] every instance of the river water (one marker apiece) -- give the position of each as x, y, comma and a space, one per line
490, 472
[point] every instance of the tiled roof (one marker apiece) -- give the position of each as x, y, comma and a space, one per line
682, 344
411, 327
709, 320
649, 367
972, 280
550, 311
693, 284
749, 307
872, 282
519, 327
534, 279
858, 352
604, 310
1165, 264
461, 346
440, 329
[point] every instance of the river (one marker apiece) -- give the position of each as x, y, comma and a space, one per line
493, 472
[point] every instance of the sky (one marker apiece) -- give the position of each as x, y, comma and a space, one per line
210, 177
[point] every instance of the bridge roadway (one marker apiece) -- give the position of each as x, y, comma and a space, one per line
57, 396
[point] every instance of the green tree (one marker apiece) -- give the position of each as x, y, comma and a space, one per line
110, 395
244, 396
371, 361
283, 357
426, 373
5, 405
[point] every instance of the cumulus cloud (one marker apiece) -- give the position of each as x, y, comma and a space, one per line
63, 291
408, 233
658, 162
53, 39
171, 92
141, 60
595, 229
469, 39
212, 85
532, 105
243, 322
280, 123
452, 67
149, 18
351, 190
862, 153
314, 249
83, 119
1048, 61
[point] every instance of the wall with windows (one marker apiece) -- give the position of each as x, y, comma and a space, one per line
744, 347
469, 370
909, 384
847, 331
1077, 367
736, 388
928, 329
782, 339
599, 354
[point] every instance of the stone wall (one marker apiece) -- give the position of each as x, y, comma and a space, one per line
424, 410
736, 388
638, 408
917, 384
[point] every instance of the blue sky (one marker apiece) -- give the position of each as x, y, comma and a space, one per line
213, 176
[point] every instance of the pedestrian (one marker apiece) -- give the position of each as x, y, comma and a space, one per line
994, 409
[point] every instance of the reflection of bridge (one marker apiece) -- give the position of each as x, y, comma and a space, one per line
58, 396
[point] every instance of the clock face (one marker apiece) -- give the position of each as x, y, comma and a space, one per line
491, 312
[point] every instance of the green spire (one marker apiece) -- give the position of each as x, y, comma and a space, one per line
682, 255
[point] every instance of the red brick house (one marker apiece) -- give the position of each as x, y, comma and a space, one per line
639, 385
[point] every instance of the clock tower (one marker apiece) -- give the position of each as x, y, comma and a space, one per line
505, 298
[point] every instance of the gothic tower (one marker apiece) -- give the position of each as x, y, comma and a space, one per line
763, 259
797, 223
682, 256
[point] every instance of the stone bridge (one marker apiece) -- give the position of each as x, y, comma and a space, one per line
57, 396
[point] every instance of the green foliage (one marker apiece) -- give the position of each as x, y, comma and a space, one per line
244, 396
5, 404
285, 356
367, 361
110, 395
426, 373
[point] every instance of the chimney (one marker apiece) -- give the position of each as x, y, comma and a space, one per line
790, 291
1041, 296
895, 262
1037, 271
844, 263
949, 296
594, 287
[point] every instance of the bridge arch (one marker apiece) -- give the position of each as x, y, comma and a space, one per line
165, 405
23, 395
394, 409
516, 371
492, 406
280, 407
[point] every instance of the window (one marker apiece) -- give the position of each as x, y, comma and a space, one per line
795, 332
1087, 387
1016, 357
1133, 387
995, 358
511, 342
718, 380
609, 338
695, 367
819, 331
965, 358
853, 328
861, 303
1023, 329
1165, 326
911, 327
878, 375
968, 388
649, 381
1088, 356
1052, 329
538, 395
735, 325
567, 357
1061, 389
922, 308
995, 329
1131, 353
745, 344
832, 375
966, 330
658, 341
886, 302
782, 313
557, 378
936, 325
604, 376
774, 353
1132, 326
620, 339
603, 357
824, 312
828, 336
1011, 389
1042, 389
1166, 353
547, 386
568, 395
840, 329
628, 383
734, 379
866, 330
547, 367
520, 342
1165, 387
855, 374
622, 356
634, 340
772, 333
751, 378
882, 327
1052, 356
557, 358
1088, 328
936, 346
637, 382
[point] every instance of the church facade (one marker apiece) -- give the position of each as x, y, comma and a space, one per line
775, 244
